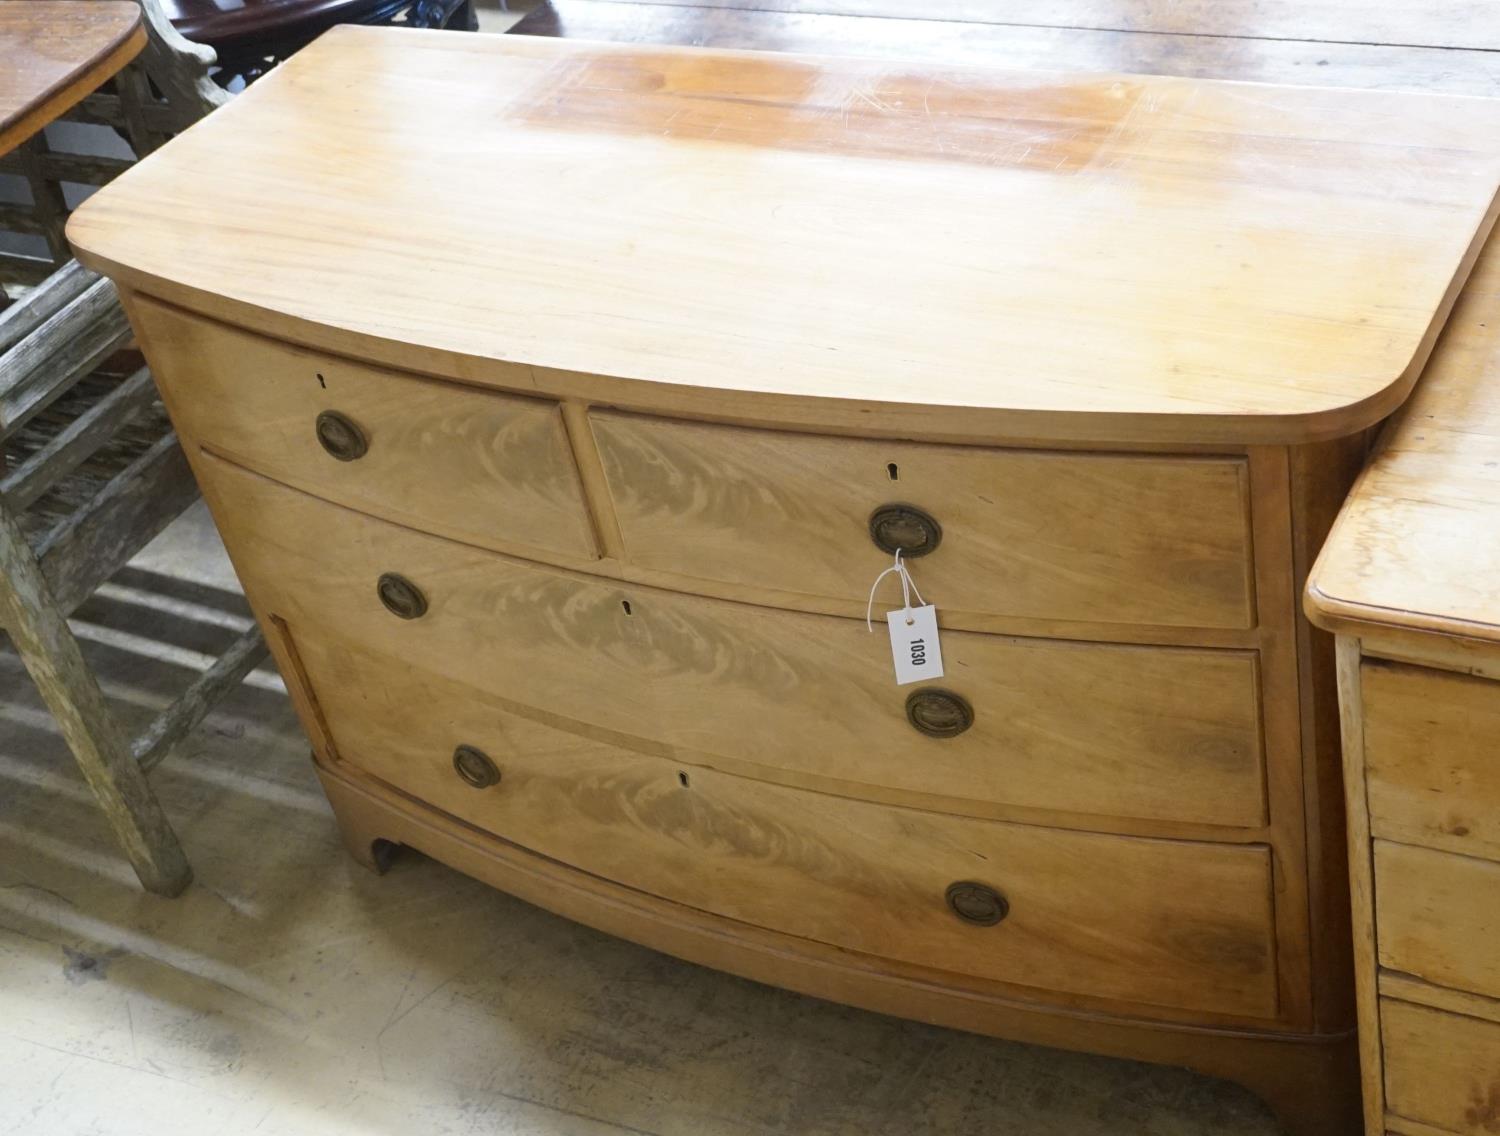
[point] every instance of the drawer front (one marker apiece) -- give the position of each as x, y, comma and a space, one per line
1088, 914
1438, 916
488, 468
1432, 757
1094, 538
1119, 731
1441, 1069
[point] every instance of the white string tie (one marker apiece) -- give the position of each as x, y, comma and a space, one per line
908, 589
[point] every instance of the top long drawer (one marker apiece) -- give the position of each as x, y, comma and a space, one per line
493, 469
1093, 538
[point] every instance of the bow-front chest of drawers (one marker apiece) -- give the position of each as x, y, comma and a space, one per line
562, 516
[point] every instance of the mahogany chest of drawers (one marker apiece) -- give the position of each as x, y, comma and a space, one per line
563, 523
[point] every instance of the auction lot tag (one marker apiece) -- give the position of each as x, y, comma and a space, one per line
914, 643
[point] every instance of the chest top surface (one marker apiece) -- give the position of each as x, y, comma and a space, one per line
1168, 259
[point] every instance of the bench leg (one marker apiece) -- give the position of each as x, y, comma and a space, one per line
52, 656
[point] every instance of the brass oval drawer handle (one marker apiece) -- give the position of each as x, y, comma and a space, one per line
938, 713
401, 597
340, 436
475, 767
976, 903
906, 527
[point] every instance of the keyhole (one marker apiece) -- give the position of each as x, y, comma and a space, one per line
321, 383
682, 778
625, 605
892, 472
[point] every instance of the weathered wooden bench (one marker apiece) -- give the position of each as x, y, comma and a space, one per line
92, 470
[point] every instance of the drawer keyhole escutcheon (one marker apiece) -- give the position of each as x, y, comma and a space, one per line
475, 767
400, 596
938, 713
904, 527
340, 436
976, 903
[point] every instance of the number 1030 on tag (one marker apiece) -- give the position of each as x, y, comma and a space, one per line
914, 644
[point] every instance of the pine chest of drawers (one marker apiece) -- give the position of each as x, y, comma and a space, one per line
1408, 580
562, 511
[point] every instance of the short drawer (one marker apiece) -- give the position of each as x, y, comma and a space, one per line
1179, 924
1438, 917
1432, 757
1141, 732
1441, 1070
493, 469
1095, 538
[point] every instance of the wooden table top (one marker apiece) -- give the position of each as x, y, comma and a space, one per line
1346, 24
54, 52
220, 23
1393, 45
1007, 253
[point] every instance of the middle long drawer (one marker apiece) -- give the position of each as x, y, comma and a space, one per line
1134, 732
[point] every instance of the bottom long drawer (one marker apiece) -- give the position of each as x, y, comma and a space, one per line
1170, 923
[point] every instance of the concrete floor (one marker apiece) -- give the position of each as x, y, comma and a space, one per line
291, 992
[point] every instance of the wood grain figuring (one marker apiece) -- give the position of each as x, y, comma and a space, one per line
257, 401
1164, 734
1101, 538
1087, 913
1438, 916
1083, 257
1442, 1069
1434, 777
55, 53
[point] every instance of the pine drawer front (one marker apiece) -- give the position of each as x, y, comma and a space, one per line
1432, 757
1143, 732
1168, 923
1441, 1070
1438, 917
493, 469
1093, 538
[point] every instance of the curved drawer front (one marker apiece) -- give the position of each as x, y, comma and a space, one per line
1094, 538
489, 468
1168, 923
1143, 732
